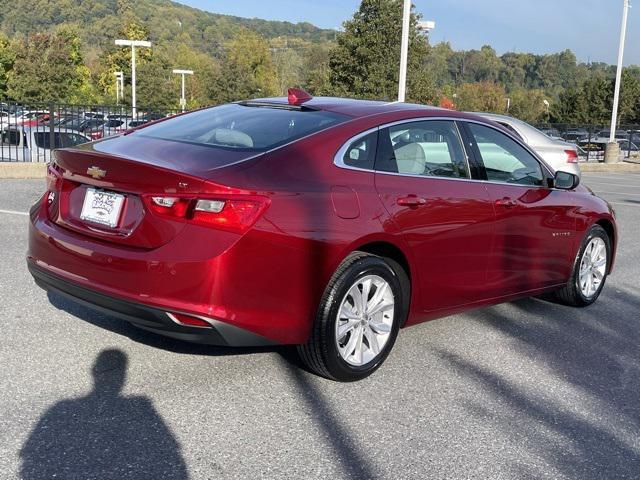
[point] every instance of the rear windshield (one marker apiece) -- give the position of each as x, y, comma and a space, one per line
240, 127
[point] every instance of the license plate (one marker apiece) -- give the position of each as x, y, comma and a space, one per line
102, 207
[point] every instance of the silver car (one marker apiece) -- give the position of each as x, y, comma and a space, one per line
560, 155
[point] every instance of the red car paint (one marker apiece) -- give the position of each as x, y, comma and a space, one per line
466, 243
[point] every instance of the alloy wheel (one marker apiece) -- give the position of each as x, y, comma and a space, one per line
593, 267
365, 320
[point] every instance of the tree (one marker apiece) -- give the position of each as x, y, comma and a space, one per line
365, 62
247, 69
528, 105
7, 57
47, 67
481, 97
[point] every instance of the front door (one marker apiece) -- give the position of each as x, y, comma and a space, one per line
534, 226
423, 178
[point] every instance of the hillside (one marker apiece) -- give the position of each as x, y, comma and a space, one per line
100, 22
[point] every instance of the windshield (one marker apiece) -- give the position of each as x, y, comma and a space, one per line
240, 127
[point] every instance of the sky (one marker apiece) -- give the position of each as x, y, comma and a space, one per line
591, 28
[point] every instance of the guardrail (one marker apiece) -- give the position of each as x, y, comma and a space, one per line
28, 133
592, 139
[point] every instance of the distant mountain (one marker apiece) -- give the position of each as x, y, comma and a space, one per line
100, 22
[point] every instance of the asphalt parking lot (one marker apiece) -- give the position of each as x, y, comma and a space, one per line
523, 390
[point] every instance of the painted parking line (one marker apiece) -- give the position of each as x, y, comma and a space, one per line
14, 212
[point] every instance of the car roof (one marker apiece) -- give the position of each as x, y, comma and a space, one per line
352, 107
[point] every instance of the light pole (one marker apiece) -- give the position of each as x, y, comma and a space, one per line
183, 101
612, 152
133, 44
404, 50
119, 86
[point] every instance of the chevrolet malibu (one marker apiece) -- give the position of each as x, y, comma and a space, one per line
319, 222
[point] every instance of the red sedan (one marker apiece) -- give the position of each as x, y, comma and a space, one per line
321, 222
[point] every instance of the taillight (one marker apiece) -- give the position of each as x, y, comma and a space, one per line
54, 187
235, 214
572, 156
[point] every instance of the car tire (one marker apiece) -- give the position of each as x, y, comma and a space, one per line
328, 350
576, 292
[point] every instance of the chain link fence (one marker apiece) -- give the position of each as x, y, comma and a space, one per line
28, 133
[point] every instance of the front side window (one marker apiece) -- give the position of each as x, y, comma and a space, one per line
430, 148
504, 159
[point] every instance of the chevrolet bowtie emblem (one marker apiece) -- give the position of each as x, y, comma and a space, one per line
96, 172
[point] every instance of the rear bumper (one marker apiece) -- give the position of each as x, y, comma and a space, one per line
145, 316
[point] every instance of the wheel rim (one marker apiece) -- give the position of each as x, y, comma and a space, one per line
365, 320
593, 267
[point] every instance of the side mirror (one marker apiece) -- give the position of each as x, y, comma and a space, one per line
566, 180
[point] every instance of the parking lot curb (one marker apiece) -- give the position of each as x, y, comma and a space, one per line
22, 170
610, 167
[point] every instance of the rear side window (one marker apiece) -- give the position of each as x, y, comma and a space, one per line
61, 139
504, 159
430, 148
362, 152
240, 127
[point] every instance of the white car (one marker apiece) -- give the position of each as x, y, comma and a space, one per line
34, 144
559, 155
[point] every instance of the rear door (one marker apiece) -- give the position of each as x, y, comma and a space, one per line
534, 227
424, 180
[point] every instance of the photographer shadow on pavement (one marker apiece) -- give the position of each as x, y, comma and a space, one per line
104, 434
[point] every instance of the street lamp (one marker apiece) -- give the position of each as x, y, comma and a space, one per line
182, 73
425, 27
133, 44
404, 50
612, 152
119, 86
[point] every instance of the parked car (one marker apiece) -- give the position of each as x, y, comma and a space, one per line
575, 134
559, 155
34, 144
606, 135
321, 222
92, 127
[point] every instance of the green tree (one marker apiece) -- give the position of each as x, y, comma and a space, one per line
528, 105
247, 69
47, 67
481, 97
7, 57
365, 62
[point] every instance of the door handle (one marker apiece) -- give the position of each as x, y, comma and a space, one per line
506, 202
411, 201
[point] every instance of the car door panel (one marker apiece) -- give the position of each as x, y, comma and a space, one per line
447, 222
535, 224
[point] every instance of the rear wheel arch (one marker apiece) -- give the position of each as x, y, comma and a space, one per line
392, 252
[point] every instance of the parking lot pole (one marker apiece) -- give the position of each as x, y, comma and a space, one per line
404, 50
183, 99
614, 150
133, 44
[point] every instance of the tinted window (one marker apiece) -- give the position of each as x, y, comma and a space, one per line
429, 148
11, 137
504, 159
114, 123
362, 152
241, 127
62, 139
